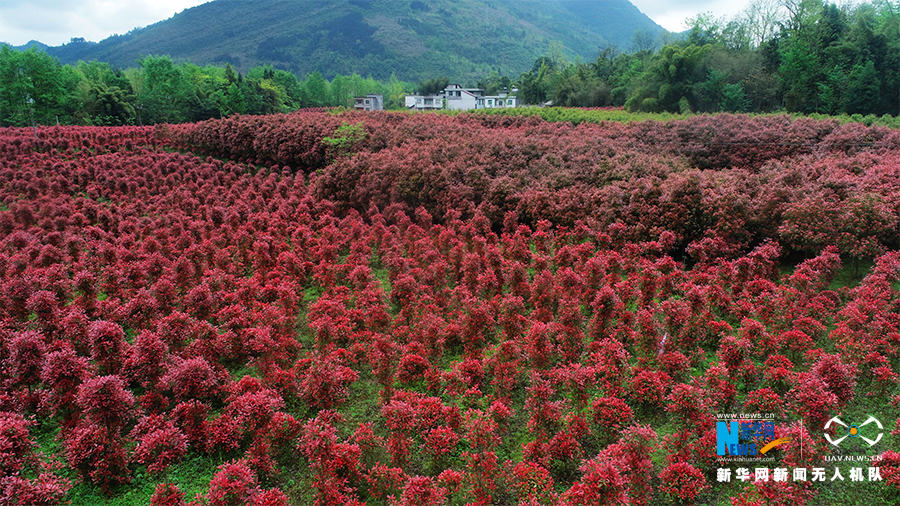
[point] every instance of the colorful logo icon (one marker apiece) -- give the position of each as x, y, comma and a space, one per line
746, 438
853, 431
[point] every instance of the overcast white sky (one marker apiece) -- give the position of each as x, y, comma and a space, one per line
54, 22
671, 14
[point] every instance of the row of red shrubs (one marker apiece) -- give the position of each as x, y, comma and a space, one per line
808, 183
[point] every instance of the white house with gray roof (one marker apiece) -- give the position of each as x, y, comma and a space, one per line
456, 98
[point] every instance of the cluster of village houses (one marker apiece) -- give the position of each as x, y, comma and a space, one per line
453, 97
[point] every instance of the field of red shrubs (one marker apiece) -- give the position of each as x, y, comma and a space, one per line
396, 309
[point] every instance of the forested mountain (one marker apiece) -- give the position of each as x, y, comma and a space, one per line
414, 39
31, 43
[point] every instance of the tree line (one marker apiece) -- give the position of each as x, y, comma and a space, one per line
804, 56
160, 90
799, 56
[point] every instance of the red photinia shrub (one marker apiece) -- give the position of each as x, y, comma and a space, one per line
421, 490
199, 302
675, 364
839, 377
477, 328
178, 329
398, 446
501, 412
718, 379
576, 380
281, 435
16, 445
63, 371
107, 341
223, 433
412, 413
146, 360
539, 345
650, 387
97, 454
811, 398
778, 373
531, 482
26, 356
105, 401
167, 494
464, 376
689, 404
261, 459
611, 362
74, 326
159, 443
270, 497
412, 367
451, 480
733, 351
601, 483
190, 379
610, 414
889, 465
853, 225
254, 410
45, 308
631, 454
45, 490
884, 380
365, 437
246, 385
773, 493
141, 310
333, 463
441, 441
805, 449
564, 445
483, 471
505, 367
234, 484
545, 414
324, 380
764, 400
190, 417
571, 334
481, 430
683, 482
384, 482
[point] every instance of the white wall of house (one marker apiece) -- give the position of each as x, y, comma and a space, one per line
460, 100
497, 102
369, 103
424, 102
457, 98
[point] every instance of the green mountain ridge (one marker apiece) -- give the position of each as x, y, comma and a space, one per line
462, 39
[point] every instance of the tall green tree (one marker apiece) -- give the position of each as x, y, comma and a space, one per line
105, 95
315, 89
33, 81
863, 90
162, 92
670, 80
800, 71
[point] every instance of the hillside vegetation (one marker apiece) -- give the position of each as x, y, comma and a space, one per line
414, 39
